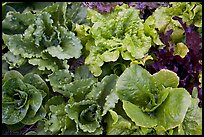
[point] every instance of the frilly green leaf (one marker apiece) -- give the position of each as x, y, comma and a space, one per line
120, 32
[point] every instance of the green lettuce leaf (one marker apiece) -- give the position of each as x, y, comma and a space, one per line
137, 86
41, 38
149, 100
181, 50
118, 125
171, 113
86, 114
119, 33
56, 122
137, 116
192, 124
59, 78
22, 98
161, 20
15, 61
167, 78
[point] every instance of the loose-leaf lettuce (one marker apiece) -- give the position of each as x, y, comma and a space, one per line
119, 33
161, 20
42, 36
88, 98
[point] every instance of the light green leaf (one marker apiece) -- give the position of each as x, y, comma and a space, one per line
167, 78
135, 85
70, 45
102, 89
140, 118
117, 125
172, 111
192, 124
59, 78
181, 50
119, 32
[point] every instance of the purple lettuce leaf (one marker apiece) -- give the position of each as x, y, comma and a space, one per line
187, 68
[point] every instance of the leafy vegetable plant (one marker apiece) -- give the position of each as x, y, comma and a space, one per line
155, 101
42, 38
103, 68
119, 33
23, 98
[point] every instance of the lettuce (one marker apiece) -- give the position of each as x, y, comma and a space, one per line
149, 100
192, 124
117, 125
161, 20
88, 99
42, 38
119, 33
22, 98
86, 114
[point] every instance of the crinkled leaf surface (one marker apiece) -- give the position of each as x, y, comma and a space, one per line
22, 100
86, 114
70, 46
113, 34
14, 101
59, 78
192, 124
161, 19
13, 60
41, 32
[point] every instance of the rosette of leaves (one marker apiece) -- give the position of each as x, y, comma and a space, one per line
23, 98
161, 20
154, 101
43, 37
118, 33
88, 99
